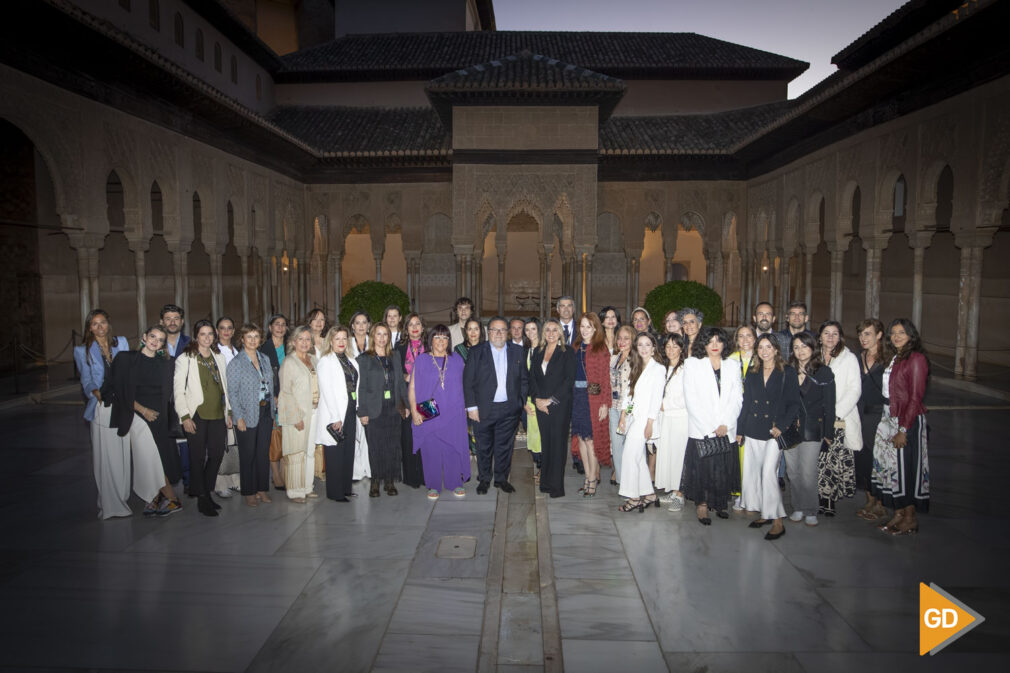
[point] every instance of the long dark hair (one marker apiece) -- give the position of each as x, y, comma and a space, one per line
403, 328
914, 344
779, 362
480, 332
681, 341
310, 316
841, 335
815, 362
89, 338
193, 347
706, 334
884, 350
637, 363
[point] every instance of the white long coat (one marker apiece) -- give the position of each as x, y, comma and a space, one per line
707, 407
848, 388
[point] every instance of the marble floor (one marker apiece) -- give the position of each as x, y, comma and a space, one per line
488, 583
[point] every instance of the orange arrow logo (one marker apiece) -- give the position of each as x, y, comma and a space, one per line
942, 619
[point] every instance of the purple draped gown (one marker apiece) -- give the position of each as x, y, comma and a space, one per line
442, 441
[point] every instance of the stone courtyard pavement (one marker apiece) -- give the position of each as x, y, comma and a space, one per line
510, 583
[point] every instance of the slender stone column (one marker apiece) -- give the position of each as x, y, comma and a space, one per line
542, 257
266, 263
243, 258
501, 282
637, 267
745, 257
808, 269
82, 282
970, 284
874, 253
378, 266
289, 275
577, 290
837, 260
216, 299
784, 290
588, 274
139, 256
547, 307
180, 266
335, 276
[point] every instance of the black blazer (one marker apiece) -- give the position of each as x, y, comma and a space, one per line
267, 348
372, 383
558, 381
124, 386
818, 393
775, 403
480, 381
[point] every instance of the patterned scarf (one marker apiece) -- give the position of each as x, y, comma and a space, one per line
414, 348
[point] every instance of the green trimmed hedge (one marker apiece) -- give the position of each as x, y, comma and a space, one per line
679, 294
372, 297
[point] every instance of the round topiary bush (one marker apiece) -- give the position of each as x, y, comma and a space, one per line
372, 297
679, 294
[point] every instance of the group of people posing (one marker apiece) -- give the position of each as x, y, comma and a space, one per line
680, 412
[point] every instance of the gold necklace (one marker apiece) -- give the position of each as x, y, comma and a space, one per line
441, 370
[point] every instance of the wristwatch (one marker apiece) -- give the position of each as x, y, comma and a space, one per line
901, 429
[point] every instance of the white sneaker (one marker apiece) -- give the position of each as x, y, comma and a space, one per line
676, 505
811, 521
225, 493
667, 498
796, 516
737, 507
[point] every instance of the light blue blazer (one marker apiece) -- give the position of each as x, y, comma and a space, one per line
92, 371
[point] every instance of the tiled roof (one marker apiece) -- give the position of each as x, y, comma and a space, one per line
525, 70
365, 132
428, 55
348, 132
899, 25
686, 134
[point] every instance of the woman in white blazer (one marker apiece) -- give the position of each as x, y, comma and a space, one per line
647, 375
296, 410
714, 397
673, 424
201, 400
836, 471
360, 325
337, 410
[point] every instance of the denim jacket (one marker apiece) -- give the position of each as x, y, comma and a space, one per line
244, 387
92, 371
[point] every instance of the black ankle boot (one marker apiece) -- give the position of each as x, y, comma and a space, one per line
391, 488
205, 506
373, 490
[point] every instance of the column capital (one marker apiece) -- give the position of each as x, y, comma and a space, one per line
177, 246
975, 238
85, 240
876, 242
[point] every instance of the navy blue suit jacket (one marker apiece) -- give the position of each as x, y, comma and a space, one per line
480, 381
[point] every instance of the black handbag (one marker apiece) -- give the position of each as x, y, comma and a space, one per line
791, 437
713, 446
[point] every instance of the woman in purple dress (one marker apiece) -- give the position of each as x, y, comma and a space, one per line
442, 440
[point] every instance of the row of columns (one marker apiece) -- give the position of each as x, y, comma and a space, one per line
969, 287
87, 247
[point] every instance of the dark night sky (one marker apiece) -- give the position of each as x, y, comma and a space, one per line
809, 30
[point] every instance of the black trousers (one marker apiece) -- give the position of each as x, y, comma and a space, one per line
554, 449
495, 436
413, 470
864, 458
254, 454
206, 449
340, 458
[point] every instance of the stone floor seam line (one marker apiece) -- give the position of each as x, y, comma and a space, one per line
549, 620
487, 651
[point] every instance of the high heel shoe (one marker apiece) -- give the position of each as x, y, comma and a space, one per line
703, 520
654, 502
591, 485
631, 505
585, 486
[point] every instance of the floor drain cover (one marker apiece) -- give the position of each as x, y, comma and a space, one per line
456, 546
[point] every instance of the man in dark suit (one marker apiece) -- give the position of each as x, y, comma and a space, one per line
171, 320
494, 389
